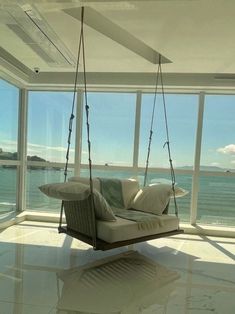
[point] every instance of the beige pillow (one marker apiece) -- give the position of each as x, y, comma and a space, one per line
68, 191
102, 209
152, 199
75, 191
179, 192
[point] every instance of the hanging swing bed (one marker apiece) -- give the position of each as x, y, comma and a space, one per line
111, 213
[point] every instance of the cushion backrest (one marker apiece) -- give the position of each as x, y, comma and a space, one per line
130, 187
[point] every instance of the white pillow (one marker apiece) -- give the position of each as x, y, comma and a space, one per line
75, 191
152, 199
67, 191
179, 192
102, 209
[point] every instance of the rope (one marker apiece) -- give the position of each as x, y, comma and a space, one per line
167, 143
81, 49
151, 124
72, 113
92, 203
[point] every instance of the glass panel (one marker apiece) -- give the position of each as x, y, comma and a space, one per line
182, 119
48, 121
216, 196
182, 180
216, 200
8, 120
112, 121
218, 142
109, 173
7, 189
8, 145
35, 199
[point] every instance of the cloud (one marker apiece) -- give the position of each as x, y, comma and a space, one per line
39, 148
228, 149
9, 142
50, 153
8, 145
233, 162
33, 148
215, 164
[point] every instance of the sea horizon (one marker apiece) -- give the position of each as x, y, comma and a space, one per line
215, 201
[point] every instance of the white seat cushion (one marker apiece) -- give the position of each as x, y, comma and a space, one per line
124, 229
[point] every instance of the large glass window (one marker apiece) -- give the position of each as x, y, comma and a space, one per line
37, 176
8, 175
9, 104
218, 141
112, 129
48, 121
182, 119
216, 200
8, 120
216, 193
112, 122
108, 173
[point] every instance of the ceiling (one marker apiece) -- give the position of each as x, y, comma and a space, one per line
123, 40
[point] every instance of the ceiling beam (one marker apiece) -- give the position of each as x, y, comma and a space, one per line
12, 66
111, 30
141, 80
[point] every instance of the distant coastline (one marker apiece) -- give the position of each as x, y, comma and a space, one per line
208, 168
14, 156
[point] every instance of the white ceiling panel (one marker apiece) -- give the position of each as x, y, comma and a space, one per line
196, 35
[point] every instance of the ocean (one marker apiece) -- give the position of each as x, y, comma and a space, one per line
216, 201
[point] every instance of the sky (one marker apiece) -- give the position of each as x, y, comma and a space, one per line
112, 127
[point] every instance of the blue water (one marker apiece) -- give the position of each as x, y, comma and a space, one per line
216, 202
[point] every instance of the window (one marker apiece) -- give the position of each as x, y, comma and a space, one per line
36, 177
182, 118
216, 191
216, 200
108, 173
48, 121
9, 95
112, 129
8, 120
218, 143
8, 175
112, 122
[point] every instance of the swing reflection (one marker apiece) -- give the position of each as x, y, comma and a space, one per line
125, 283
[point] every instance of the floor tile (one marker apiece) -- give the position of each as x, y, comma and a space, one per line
14, 308
43, 272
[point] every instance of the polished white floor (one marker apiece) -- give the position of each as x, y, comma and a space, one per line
43, 272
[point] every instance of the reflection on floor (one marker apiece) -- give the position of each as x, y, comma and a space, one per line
124, 283
42, 272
